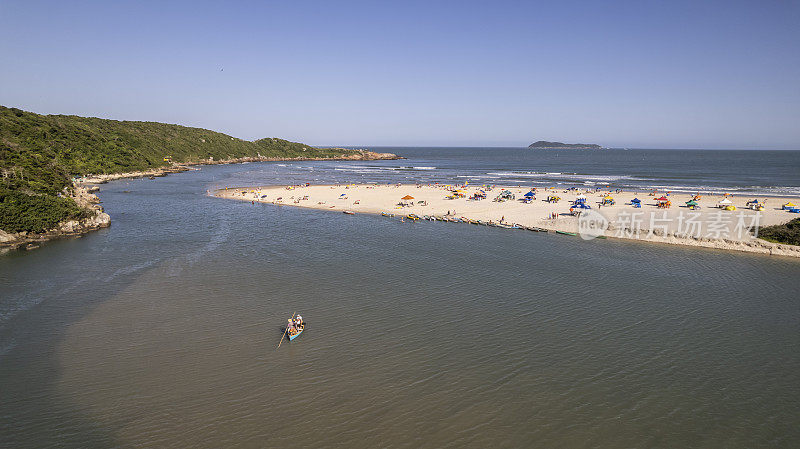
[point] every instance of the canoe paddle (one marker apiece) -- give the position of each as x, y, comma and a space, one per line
284, 334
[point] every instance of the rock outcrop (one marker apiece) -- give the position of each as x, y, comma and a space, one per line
97, 219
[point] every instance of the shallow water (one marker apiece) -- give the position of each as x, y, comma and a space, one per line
161, 331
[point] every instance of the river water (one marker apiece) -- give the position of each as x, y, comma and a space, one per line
161, 331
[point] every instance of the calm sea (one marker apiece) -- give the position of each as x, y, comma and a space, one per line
161, 331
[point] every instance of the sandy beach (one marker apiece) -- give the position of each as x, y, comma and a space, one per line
707, 225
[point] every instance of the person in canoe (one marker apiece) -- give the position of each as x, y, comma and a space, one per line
295, 326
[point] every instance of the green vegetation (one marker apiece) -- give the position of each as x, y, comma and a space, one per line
39, 154
35, 213
788, 233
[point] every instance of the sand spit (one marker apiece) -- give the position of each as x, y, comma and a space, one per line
705, 226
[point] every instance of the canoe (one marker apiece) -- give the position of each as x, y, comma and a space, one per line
292, 337
565, 233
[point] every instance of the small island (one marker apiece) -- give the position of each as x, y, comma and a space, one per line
545, 145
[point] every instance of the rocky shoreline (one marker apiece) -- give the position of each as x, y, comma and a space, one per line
361, 155
85, 198
84, 189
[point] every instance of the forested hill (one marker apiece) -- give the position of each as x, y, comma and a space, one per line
40, 153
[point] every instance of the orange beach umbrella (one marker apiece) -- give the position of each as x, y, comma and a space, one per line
407, 197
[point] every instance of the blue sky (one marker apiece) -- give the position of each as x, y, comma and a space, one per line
668, 74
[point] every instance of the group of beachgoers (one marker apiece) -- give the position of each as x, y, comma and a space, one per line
295, 325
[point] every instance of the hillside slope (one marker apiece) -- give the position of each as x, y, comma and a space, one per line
39, 155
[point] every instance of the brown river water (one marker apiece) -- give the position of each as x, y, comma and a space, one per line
161, 331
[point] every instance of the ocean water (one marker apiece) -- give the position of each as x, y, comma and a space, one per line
740, 172
161, 331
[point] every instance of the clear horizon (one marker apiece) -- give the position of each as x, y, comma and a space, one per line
707, 75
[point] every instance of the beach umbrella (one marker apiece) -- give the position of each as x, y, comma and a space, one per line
529, 194
344, 194
726, 201
691, 203
407, 197
663, 198
636, 200
580, 197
